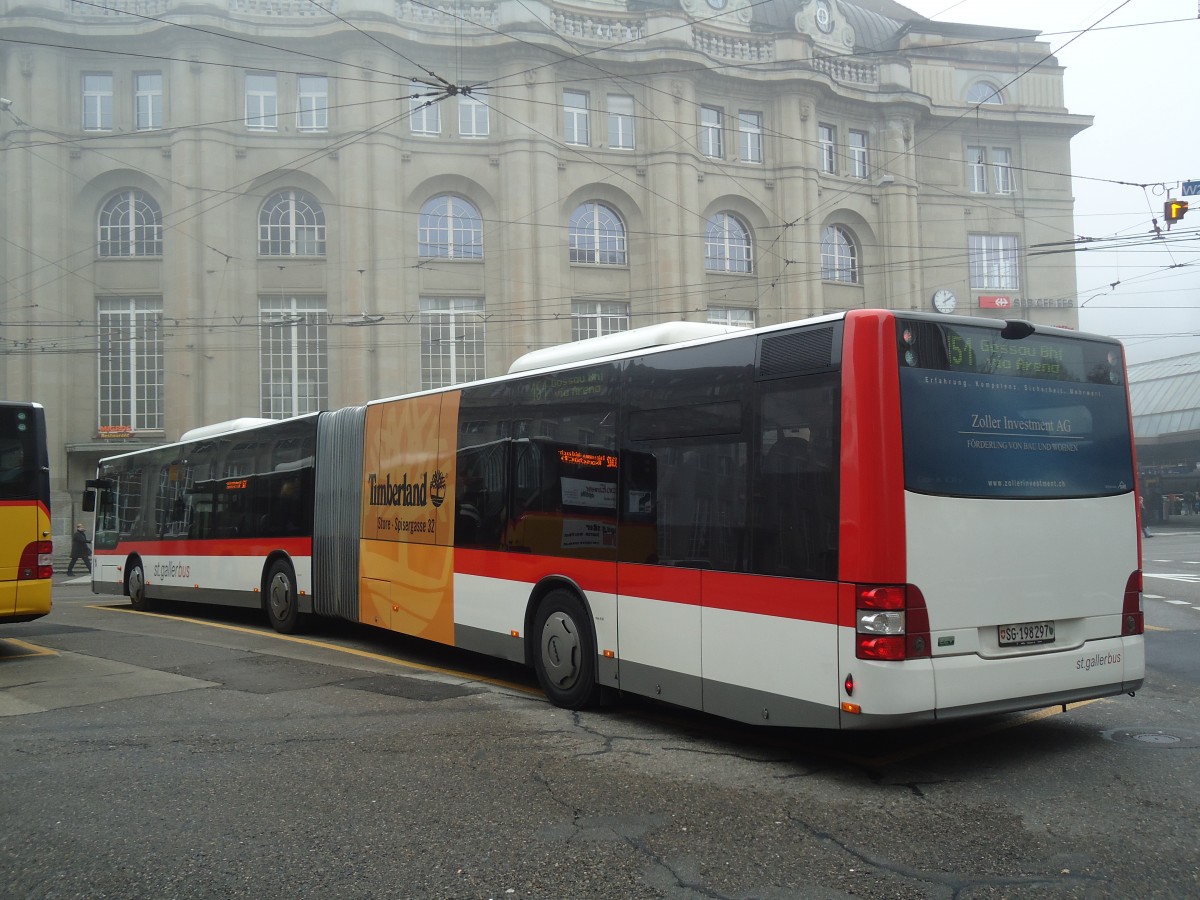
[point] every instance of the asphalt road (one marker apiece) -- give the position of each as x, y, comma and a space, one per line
191, 756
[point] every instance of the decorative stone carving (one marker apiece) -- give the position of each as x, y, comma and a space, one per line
822, 21
736, 13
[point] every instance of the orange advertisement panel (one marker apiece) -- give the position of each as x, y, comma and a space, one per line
406, 571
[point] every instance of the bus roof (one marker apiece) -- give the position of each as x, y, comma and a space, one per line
621, 342
207, 431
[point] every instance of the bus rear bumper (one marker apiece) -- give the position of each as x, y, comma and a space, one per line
970, 686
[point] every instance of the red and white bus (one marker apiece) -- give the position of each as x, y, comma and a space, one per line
862, 520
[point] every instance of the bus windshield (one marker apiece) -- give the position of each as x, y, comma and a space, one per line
1041, 416
20, 469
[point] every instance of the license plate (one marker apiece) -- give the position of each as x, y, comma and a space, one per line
1026, 633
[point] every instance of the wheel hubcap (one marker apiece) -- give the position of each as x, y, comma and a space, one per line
560, 649
281, 597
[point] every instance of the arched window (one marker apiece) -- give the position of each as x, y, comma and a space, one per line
130, 225
727, 245
984, 92
449, 228
291, 223
596, 235
839, 255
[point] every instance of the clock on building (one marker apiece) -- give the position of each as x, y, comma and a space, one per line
824, 16
944, 301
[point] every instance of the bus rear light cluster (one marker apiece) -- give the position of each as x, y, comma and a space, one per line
36, 561
892, 622
1133, 620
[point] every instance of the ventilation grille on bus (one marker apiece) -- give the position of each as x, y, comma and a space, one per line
809, 350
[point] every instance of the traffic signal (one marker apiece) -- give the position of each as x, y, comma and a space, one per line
1173, 211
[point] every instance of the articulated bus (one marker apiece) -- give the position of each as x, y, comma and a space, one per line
26, 548
863, 520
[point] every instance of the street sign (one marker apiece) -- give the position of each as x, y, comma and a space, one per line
1191, 189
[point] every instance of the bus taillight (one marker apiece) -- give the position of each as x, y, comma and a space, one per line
1133, 620
893, 622
36, 561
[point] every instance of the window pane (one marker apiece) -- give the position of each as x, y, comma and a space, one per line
130, 386
596, 235
293, 356
97, 102
827, 142
130, 225
148, 99
473, 117
575, 118
593, 318
727, 245
993, 261
620, 122
313, 103
426, 115
291, 223
711, 137
858, 154
839, 256
750, 137
449, 228
261, 102
452, 340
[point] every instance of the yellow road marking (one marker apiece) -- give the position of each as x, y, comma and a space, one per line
350, 651
31, 649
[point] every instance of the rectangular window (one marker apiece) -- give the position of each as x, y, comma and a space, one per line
426, 116
750, 145
312, 102
977, 179
858, 154
575, 118
473, 121
131, 364
620, 122
293, 356
993, 261
98, 102
262, 102
733, 316
1002, 167
712, 140
148, 101
827, 143
452, 340
1056, 423
593, 318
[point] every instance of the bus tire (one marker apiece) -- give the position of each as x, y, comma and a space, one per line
282, 600
135, 587
565, 651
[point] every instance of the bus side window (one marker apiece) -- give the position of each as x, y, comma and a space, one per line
796, 507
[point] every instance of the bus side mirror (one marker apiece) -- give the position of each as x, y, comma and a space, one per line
89, 501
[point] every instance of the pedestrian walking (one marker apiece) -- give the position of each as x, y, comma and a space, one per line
80, 549
1142, 510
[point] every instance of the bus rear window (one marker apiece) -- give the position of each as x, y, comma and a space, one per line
1041, 416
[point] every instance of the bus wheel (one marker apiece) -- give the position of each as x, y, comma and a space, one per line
135, 587
283, 603
565, 656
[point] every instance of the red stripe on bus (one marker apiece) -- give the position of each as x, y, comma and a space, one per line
256, 547
872, 542
36, 503
812, 601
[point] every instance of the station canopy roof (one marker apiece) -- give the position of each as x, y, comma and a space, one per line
1165, 396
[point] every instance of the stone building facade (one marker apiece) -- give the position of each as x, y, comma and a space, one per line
228, 208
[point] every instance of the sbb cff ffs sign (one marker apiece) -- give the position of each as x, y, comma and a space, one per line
996, 302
